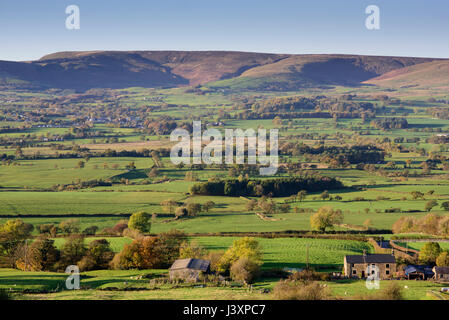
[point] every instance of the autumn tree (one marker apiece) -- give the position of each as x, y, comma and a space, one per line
429, 253
325, 217
443, 259
97, 256
430, 204
73, 250
40, 255
243, 247
140, 221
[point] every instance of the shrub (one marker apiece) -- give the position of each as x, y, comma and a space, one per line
309, 275
300, 290
245, 270
133, 234
391, 292
120, 227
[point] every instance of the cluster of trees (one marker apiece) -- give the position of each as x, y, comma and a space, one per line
432, 254
242, 260
303, 107
153, 252
13, 234
191, 209
430, 224
42, 255
282, 187
17, 249
72, 226
390, 123
164, 126
343, 155
82, 185
267, 206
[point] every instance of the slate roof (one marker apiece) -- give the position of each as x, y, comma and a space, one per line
193, 264
426, 270
371, 258
441, 270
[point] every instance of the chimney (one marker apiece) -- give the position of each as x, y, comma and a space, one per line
364, 252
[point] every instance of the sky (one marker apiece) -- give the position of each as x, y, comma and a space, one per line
32, 29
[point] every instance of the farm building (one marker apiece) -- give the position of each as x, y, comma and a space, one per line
441, 273
418, 272
189, 269
356, 266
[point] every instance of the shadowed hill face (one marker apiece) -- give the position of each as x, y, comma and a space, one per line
113, 69
94, 71
194, 67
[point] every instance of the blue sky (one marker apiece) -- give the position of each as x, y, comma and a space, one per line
31, 29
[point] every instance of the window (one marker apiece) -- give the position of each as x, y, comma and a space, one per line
352, 265
387, 266
387, 272
354, 271
373, 264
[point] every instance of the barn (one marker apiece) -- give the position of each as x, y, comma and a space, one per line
441, 273
189, 269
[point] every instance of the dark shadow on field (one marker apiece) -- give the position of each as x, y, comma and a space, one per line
221, 205
377, 186
228, 213
46, 281
426, 125
130, 175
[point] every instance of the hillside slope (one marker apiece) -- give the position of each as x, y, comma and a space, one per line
433, 75
219, 69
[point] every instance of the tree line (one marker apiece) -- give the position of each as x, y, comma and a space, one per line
281, 187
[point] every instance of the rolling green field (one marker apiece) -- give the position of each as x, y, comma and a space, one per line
279, 253
48, 160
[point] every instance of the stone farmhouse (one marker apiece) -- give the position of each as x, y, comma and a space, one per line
357, 266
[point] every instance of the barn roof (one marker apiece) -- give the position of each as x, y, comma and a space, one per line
193, 264
413, 269
371, 258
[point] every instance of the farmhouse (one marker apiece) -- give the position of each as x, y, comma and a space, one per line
355, 266
189, 269
441, 273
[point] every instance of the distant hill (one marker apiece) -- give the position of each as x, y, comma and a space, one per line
217, 69
433, 75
